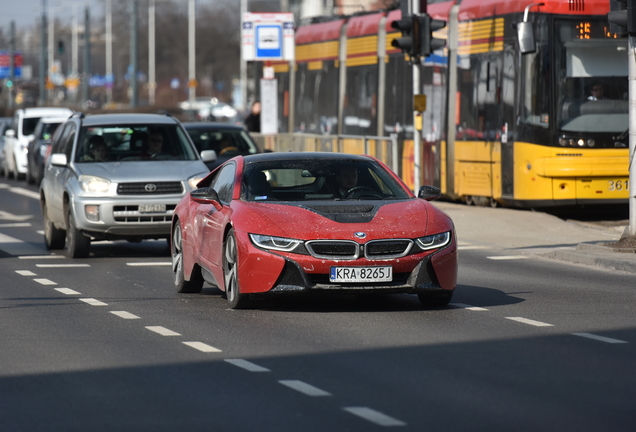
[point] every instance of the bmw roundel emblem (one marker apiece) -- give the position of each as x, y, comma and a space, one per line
150, 187
360, 234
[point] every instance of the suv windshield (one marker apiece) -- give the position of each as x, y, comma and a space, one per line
591, 77
125, 143
224, 141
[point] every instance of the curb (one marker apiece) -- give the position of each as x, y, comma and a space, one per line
597, 257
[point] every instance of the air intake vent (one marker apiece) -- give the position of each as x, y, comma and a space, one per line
577, 5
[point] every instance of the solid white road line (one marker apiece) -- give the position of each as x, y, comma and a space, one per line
468, 307
93, 302
34, 257
61, 265
25, 273
507, 257
148, 264
374, 416
249, 366
304, 388
124, 315
202, 347
162, 331
45, 282
67, 291
599, 338
530, 322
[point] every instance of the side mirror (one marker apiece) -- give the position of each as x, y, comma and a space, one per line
59, 159
525, 36
208, 155
429, 193
206, 195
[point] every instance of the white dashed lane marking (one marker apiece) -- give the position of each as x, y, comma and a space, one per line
599, 338
202, 347
304, 388
162, 331
249, 366
25, 273
148, 264
374, 416
468, 307
67, 291
472, 247
507, 257
15, 225
93, 302
38, 257
125, 315
61, 265
45, 282
530, 322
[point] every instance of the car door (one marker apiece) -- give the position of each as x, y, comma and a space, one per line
56, 176
211, 221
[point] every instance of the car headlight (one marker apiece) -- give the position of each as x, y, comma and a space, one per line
93, 184
192, 181
275, 243
434, 241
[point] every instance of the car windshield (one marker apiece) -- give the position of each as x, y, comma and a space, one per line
322, 179
225, 142
130, 143
47, 130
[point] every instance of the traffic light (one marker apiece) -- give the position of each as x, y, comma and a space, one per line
60, 47
9, 83
622, 17
428, 43
409, 43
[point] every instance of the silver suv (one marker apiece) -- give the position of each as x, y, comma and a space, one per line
116, 176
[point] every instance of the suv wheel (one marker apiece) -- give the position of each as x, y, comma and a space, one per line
78, 244
53, 238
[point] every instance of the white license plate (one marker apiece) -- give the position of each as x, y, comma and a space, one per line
361, 274
152, 208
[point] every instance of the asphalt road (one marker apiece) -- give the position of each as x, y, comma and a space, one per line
105, 343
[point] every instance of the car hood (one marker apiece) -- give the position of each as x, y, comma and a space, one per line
378, 219
119, 172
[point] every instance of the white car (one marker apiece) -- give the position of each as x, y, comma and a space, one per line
16, 139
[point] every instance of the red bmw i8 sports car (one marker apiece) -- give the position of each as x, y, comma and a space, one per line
303, 222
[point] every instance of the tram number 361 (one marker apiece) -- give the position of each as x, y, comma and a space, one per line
618, 185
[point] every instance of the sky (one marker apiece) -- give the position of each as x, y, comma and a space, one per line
26, 13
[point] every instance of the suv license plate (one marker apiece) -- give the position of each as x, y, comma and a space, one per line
152, 208
361, 274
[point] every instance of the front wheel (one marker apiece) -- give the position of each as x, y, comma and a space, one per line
195, 284
78, 244
435, 300
53, 238
233, 294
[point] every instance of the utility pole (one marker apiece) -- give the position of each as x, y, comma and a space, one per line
192, 82
43, 68
11, 63
244, 64
632, 134
133, 53
87, 56
152, 84
109, 53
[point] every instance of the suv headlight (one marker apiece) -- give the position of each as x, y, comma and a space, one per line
192, 181
93, 184
434, 241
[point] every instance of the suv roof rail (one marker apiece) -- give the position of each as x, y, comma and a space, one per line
163, 112
78, 114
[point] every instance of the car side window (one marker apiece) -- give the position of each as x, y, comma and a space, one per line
60, 139
223, 184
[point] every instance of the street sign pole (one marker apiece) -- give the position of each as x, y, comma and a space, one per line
632, 135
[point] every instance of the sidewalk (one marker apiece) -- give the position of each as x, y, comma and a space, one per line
526, 232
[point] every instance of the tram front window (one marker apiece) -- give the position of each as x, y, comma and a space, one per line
592, 93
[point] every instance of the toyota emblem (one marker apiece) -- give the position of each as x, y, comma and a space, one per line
360, 234
150, 187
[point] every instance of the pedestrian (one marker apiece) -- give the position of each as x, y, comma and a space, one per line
253, 120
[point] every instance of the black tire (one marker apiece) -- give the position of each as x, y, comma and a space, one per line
435, 300
54, 238
235, 299
78, 245
29, 176
195, 284
7, 173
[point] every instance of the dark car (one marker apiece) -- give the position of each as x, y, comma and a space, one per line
303, 222
226, 140
40, 147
